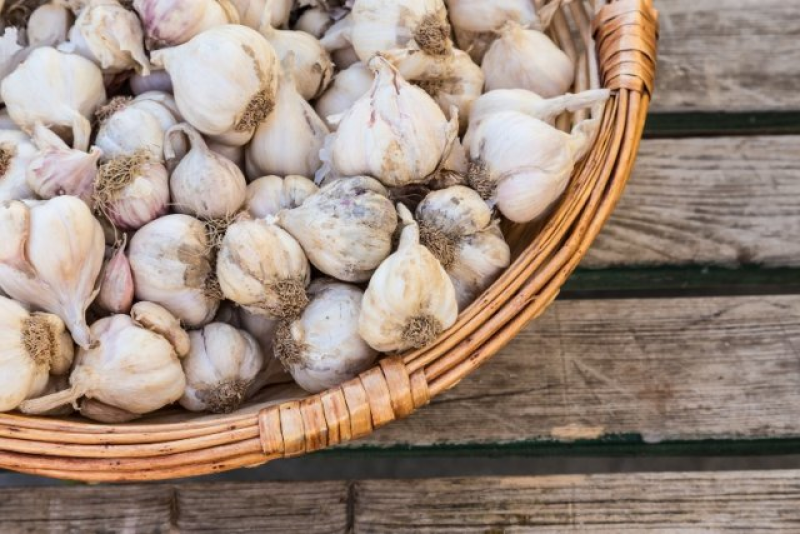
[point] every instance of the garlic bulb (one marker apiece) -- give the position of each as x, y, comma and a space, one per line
50, 257
523, 163
172, 263
16, 154
315, 21
157, 80
236, 154
459, 87
530, 103
225, 79
396, 133
383, 25
270, 195
116, 283
455, 224
131, 191
479, 16
110, 35
131, 368
32, 347
263, 269
49, 25
347, 87
56, 89
312, 68
527, 59
100, 412
252, 12
174, 22
159, 320
337, 41
346, 229
204, 184
59, 170
322, 348
12, 53
260, 327
220, 369
453, 170
410, 300
290, 139
131, 125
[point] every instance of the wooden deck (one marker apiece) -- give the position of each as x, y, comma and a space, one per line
680, 334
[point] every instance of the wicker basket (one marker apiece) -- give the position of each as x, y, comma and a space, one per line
616, 49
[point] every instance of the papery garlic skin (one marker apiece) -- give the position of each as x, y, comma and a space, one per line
337, 41
12, 53
480, 16
174, 22
527, 59
322, 348
50, 257
315, 21
263, 269
410, 300
530, 103
157, 80
481, 259
116, 283
204, 184
270, 195
16, 154
60, 170
346, 229
49, 25
32, 347
171, 260
348, 86
57, 89
128, 126
110, 35
220, 368
396, 133
130, 368
459, 88
236, 154
251, 12
290, 139
159, 320
225, 79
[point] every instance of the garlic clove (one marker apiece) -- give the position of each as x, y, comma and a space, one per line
116, 283
16, 154
348, 86
174, 22
479, 260
252, 12
157, 319
49, 25
346, 229
322, 348
270, 195
410, 300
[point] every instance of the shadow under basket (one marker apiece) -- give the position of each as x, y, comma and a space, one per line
613, 45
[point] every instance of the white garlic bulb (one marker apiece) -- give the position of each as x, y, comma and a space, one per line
236, 154
383, 25
172, 263
131, 125
290, 139
322, 348
158, 319
130, 191
51, 255
32, 347
263, 269
527, 59
12, 53
157, 80
220, 369
410, 300
49, 24
312, 69
225, 79
479, 16
270, 195
57, 89
458, 86
346, 229
131, 368
253, 12
16, 154
116, 283
530, 103
204, 184
396, 133
348, 86
261, 328
110, 35
315, 21
456, 226
59, 170
175, 22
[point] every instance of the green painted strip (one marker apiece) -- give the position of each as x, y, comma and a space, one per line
707, 124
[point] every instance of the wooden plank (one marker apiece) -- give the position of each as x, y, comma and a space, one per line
727, 201
672, 502
665, 369
85, 509
728, 55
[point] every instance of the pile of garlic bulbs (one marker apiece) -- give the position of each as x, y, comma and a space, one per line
193, 191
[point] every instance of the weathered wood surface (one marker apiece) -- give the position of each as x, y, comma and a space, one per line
728, 55
712, 201
665, 369
674, 502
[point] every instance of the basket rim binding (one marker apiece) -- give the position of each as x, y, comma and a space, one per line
621, 37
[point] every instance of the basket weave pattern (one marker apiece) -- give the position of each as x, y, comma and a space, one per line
621, 39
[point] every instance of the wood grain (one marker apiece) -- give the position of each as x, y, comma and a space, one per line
726, 201
728, 55
664, 369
